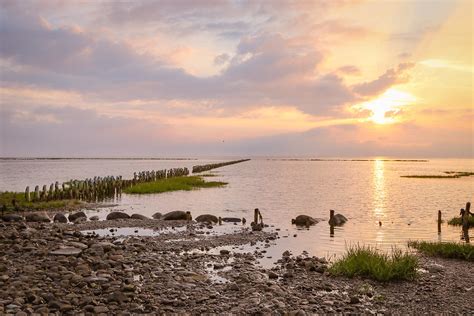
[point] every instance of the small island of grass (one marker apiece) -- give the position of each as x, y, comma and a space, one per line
370, 263
173, 184
445, 249
447, 175
457, 221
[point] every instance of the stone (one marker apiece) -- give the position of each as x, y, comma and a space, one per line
12, 218
66, 251
94, 218
207, 218
231, 219
157, 215
434, 267
117, 215
354, 300
304, 220
139, 216
59, 218
74, 216
38, 218
224, 252
101, 309
337, 220
175, 216
272, 275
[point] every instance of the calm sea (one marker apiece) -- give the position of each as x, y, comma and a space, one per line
366, 192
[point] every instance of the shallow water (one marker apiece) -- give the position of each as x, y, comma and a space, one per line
364, 191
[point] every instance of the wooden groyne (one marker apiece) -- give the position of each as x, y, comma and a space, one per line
98, 188
202, 168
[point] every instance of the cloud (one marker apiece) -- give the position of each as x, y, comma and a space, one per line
390, 77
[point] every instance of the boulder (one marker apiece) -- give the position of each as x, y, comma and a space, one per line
231, 219
117, 215
39, 218
60, 218
157, 215
12, 218
176, 216
337, 220
74, 216
304, 220
206, 218
66, 251
94, 218
139, 216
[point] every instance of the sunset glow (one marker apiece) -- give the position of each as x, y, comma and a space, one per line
272, 78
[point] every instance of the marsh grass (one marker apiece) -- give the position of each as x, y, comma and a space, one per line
447, 175
6, 198
444, 249
173, 184
370, 263
457, 221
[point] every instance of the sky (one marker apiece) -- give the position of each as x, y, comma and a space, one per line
187, 78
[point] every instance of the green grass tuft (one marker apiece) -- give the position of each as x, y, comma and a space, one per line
456, 221
6, 198
445, 249
368, 262
172, 184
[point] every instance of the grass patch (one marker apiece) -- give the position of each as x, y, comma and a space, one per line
445, 249
457, 221
172, 184
368, 262
447, 175
209, 175
6, 198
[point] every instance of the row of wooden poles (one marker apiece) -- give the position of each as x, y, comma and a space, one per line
207, 167
98, 188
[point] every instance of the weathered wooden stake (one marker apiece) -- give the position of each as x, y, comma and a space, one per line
331, 215
255, 216
439, 221
27, 194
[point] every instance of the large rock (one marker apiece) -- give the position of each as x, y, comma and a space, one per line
60, 218
12, 218
207, 218
157, 215
304, 220
176, 216
39, 218
337, 220
117, 215
75, 216
139, 216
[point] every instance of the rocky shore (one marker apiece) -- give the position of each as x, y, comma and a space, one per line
59, 268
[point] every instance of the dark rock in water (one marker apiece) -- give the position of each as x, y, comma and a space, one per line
80, 220
94, 218
231, 219
304, 220
337, 220
60, 218
157, 215
256, 227
117, 215
175, 216
39, 218
207, 218
73, 217
12, 218
139, 216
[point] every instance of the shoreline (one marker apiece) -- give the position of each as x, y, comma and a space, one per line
178, 272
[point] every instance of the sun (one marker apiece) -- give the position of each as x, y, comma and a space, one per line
385, 108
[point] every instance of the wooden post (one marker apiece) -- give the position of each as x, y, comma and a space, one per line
255, 216
331, 227
37, 193
331, 215
220, 220
27, 194
439, 222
